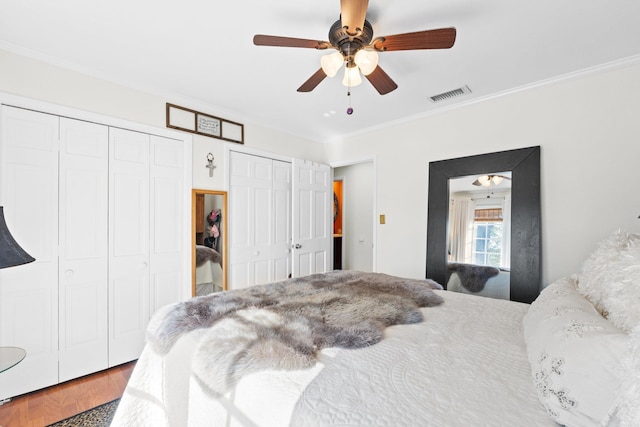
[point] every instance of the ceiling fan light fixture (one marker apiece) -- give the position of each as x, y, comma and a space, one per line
366, 60
331, 63
488, 180
351, 76
352, 33
484, 180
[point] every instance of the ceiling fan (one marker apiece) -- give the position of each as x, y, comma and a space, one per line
488, 180
352, 37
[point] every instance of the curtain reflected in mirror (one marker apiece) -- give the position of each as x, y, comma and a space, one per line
209, 241
479, 234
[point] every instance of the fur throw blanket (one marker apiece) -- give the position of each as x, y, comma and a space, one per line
473, 277
205, 253
284, 325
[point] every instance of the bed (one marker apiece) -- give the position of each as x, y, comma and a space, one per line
457, 360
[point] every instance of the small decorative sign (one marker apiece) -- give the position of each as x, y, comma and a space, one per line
208, 125
199, 123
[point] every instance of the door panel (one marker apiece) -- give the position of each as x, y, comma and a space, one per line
129, 299
281, 247
312, 233
82, 277
28, 296
166, 219
239, 230
251, 230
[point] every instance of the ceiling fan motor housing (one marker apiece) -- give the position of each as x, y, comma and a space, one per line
348, 45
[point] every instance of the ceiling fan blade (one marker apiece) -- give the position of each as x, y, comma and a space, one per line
442, 38
381, 81
352, 14
313, 81
262, 40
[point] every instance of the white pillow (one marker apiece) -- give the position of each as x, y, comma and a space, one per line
610, 279
576, 356
629, 396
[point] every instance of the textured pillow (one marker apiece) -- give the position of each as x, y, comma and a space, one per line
576, 356
610, 279
629, 396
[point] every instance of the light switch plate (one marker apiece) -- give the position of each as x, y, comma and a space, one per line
382, 219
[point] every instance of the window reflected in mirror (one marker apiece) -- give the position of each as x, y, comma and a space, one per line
479, 240
209, 237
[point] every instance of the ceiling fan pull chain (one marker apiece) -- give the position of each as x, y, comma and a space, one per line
349, 109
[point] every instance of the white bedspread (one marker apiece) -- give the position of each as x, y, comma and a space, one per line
466, 365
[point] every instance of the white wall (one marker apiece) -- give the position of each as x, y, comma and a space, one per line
588, 128
38, 80
357, 215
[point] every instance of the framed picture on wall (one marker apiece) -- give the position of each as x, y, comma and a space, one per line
188, 120
208, 125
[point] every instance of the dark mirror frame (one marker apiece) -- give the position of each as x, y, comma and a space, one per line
524, 163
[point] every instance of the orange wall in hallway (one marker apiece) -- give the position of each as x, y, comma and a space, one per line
337, 191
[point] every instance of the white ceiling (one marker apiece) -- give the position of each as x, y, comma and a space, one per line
202, 52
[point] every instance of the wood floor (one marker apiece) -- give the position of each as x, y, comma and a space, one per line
56, 403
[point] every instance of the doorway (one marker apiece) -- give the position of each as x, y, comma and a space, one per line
354, 231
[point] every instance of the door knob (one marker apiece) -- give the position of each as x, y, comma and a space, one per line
297, 246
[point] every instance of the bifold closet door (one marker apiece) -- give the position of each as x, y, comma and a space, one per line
128, 244
251, 230
103, 211
281, 248
84, 156
146, 217
260, 225
29, 293
166, 221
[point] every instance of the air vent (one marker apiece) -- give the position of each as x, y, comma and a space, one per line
451, 94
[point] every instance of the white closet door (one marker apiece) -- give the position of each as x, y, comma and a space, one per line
29, 293
84, 156
312, 208
251, 224
166, 219
281, 248
128, 244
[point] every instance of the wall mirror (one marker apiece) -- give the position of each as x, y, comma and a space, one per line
209, 237
520, 246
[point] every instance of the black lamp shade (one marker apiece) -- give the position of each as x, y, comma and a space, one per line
11, 253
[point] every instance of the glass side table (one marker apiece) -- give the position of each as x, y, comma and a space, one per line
10, 357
